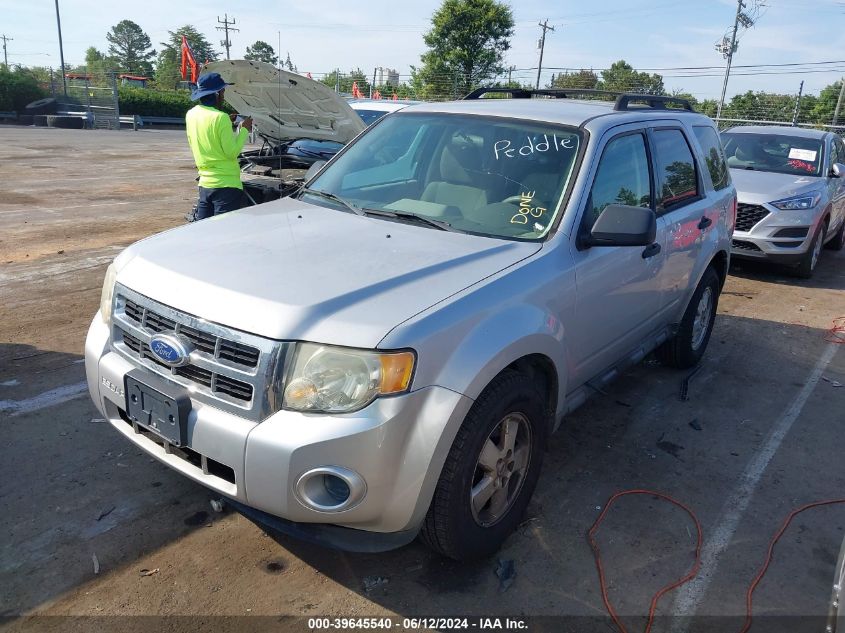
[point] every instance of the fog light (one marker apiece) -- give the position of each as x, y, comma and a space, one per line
330, 489
336, 487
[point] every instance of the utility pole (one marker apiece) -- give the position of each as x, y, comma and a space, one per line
545, 26
510, 70
797, 105
225, 22
5, 57
728, 50
839, 102
61, 49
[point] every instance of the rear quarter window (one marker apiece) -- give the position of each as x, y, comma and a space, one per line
714, 156
675, 169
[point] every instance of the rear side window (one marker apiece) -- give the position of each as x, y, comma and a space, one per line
714, 156
675, 168
622, 177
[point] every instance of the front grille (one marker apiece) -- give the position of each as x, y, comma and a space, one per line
218, 384
231, 351
227, 369
747, 215
745, 246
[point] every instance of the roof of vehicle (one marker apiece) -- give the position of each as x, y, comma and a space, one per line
380, 105
573, 112
785, 130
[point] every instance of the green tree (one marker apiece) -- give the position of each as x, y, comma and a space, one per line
825, 105
261, 52
345, 80
466, 46
621, 77
131, 47
581, 79
17, 88
170, 60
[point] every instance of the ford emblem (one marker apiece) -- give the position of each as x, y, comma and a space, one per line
170, 348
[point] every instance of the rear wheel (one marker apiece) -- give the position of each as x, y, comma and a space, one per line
808, 263
687, 347
490, 472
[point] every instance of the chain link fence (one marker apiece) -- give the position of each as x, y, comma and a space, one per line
93, 96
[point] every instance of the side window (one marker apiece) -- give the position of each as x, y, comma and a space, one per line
622, 177
838, 152
714, 156
675, 169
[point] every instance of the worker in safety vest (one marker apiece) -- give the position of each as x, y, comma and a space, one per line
215, 147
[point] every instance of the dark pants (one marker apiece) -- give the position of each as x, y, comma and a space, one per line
217, 201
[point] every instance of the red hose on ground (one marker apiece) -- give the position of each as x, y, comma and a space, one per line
772, 543
591, 535
836, 334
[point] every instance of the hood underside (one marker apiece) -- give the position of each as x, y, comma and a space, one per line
286, 106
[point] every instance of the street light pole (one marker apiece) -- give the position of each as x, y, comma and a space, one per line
740, 5
61, 48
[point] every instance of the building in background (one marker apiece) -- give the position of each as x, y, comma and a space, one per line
386, 76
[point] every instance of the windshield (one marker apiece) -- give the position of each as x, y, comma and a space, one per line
480, 175
779, 153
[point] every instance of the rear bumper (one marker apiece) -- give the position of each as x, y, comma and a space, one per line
396, 445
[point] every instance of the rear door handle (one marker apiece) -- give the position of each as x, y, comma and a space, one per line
705, 222
651, 250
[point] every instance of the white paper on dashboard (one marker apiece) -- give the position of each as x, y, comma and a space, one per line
803, 154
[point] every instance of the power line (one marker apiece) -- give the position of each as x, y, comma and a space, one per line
225, 22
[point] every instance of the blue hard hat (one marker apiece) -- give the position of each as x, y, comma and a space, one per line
207, 84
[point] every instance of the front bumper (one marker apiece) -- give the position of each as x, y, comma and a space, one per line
781, 236
397, 445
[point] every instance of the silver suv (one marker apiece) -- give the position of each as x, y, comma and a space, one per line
385, 353
791, 187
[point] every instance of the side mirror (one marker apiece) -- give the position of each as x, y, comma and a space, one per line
623, 225
315, 167
838, 170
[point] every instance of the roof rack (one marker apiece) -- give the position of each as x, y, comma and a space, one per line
623, 100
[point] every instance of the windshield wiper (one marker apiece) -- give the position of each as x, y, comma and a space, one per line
330, 196
413, 217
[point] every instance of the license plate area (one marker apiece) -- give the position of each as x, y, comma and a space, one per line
158, 406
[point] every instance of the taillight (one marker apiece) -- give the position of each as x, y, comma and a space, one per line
732, 219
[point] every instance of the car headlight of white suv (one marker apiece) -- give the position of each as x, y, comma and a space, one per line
329, 379
798, 203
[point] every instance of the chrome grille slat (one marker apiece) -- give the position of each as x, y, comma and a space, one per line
228, 369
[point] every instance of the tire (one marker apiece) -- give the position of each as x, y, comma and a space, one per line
838, 241
687, 347
66, 122
452, 526
42, 106
810, 260
39, 120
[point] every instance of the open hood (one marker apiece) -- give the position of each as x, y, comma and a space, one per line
286, 106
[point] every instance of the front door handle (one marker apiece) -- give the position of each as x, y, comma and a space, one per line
705, 222
651, 250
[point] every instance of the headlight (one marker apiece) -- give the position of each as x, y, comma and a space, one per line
107, 294
798, 203
339, 380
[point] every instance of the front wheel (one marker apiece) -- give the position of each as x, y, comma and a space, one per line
838, 241
491, 470
807, 267
687, 347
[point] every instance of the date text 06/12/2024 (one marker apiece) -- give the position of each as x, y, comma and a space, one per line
421, 623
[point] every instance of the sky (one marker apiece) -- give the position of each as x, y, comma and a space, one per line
322, 35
